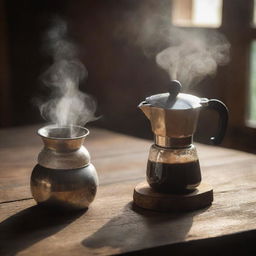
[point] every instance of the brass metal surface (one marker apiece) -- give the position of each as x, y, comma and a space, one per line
61, 151
177, 123
64, 160
73, 189
63, 139
64, 175
167, 142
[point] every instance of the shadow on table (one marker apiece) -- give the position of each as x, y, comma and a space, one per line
238, 244
31, 225
136, 228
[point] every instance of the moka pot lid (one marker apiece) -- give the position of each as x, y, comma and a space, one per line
174, 99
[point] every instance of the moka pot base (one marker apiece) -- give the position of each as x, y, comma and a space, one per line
146, 197
173, 169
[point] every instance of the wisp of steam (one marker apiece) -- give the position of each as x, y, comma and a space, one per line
193, 55
67, 105
187, 54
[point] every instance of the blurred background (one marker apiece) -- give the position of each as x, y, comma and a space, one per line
121, 72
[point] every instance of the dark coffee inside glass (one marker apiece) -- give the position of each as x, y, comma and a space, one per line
174, 178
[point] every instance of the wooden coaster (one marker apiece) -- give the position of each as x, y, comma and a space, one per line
144, 196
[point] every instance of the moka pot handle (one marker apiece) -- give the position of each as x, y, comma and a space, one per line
222, 110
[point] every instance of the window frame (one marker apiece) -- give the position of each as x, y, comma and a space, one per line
233, 85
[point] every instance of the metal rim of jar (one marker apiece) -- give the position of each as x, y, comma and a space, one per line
48, 127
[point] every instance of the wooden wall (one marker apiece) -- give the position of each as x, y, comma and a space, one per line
5, 104
120, 73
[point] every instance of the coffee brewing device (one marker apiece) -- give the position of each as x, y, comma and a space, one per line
173, 169
64, 176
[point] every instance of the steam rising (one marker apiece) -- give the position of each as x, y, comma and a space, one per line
187, 54
192, 55
67, 105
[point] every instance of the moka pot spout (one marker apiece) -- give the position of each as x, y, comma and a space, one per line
145, 107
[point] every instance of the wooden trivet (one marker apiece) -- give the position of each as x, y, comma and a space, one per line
145, 197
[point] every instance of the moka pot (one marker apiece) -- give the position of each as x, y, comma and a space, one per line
173, 164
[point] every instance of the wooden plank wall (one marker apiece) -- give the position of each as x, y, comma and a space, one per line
5, 106
120, 74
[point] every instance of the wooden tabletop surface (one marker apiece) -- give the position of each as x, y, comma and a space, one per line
112, 224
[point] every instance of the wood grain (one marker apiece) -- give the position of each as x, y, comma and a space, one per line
147, 198
113, 224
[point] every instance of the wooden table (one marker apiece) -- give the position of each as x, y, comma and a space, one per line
112, 225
